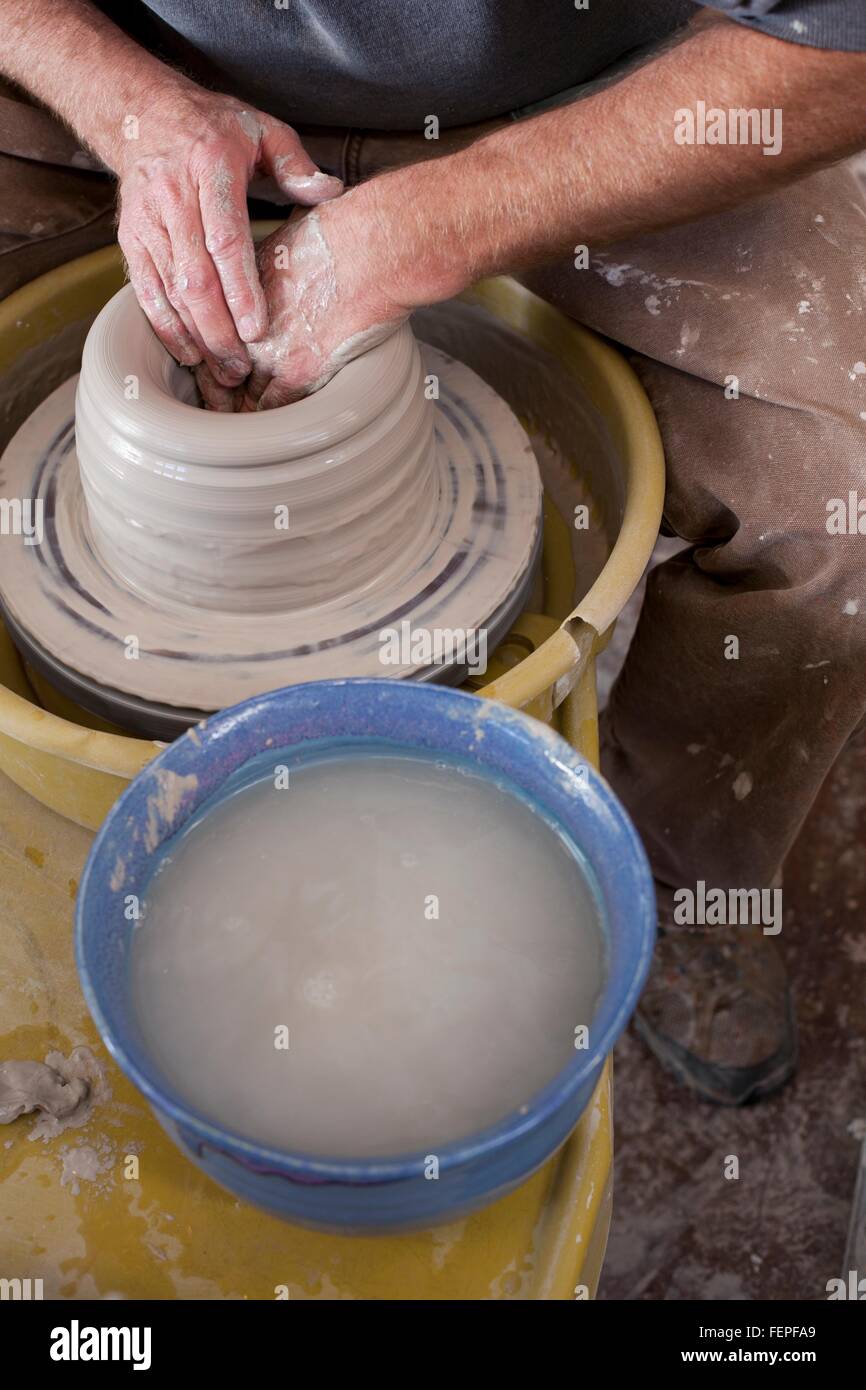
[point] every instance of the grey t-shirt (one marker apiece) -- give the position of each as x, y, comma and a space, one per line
388, 64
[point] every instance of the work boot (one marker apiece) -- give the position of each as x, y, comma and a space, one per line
717, 1012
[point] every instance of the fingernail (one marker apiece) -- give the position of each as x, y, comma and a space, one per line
249, 328
319, 185
232, 372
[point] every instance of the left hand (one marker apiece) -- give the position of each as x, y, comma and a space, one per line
329, 286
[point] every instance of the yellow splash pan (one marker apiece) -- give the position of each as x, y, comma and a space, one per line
113, 1207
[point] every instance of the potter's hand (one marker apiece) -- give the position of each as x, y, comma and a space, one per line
327, 276
184, 227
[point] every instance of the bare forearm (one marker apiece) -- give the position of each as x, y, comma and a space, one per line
83, 67
609, 167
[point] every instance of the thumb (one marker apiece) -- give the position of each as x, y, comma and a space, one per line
279, 393
282, 155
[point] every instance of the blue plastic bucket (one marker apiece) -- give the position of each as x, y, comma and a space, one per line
303, 724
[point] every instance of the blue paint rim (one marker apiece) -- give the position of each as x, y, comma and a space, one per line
533, 746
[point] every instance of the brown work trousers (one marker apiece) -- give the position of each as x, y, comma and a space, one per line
747, 673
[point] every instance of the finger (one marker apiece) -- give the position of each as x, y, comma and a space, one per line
158, 309
279, 393
197, 284
215, 397
283, 155
228, 240
223, 371
255, 386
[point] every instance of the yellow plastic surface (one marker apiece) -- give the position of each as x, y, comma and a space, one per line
149, 1224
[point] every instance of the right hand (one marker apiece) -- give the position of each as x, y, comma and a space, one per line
184, 228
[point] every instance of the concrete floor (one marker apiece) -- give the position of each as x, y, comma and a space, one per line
680, 1229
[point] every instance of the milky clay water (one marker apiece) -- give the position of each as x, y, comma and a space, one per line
423, 940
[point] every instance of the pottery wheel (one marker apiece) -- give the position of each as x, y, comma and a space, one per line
74, 618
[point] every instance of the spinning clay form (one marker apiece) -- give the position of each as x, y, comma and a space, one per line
271, 511
191, 559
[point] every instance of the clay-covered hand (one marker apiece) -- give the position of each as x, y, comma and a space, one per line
184, 227
327, 275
